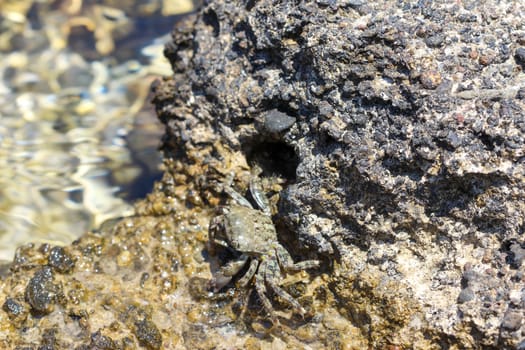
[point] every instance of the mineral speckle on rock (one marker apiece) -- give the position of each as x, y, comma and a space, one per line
512, 320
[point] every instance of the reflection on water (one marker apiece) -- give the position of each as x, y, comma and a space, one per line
78, 137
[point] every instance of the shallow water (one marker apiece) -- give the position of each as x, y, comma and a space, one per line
78, 137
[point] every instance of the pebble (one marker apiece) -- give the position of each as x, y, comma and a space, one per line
466, 295
276, 121
519, 55
512, 320
59, 260
430, 79
15, 309
148, 334
41, 292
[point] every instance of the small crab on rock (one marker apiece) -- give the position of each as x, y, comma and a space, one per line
251, 234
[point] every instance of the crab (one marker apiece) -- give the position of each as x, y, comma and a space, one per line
251, 234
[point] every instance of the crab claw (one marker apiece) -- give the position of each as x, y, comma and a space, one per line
225, 274
219, 281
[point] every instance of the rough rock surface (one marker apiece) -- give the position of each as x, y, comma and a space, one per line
391, 138
398, 128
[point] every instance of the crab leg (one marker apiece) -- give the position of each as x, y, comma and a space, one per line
261, 292
244, 280
271, 277
286, 262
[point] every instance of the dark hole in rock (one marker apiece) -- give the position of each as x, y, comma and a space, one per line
211, 19
274, 158
250, 4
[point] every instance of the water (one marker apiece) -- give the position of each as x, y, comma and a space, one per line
78, 137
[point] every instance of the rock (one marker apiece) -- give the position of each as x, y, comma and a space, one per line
408, 142
148, 334
17, 310
466, 295
430, 79
517, 255
512, 320
99, 341
41, 292
276, 121
520, 55
98, 303
59, 260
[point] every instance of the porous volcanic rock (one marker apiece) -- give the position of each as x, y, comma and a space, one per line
396, 130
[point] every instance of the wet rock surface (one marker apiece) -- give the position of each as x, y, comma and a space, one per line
391, 139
